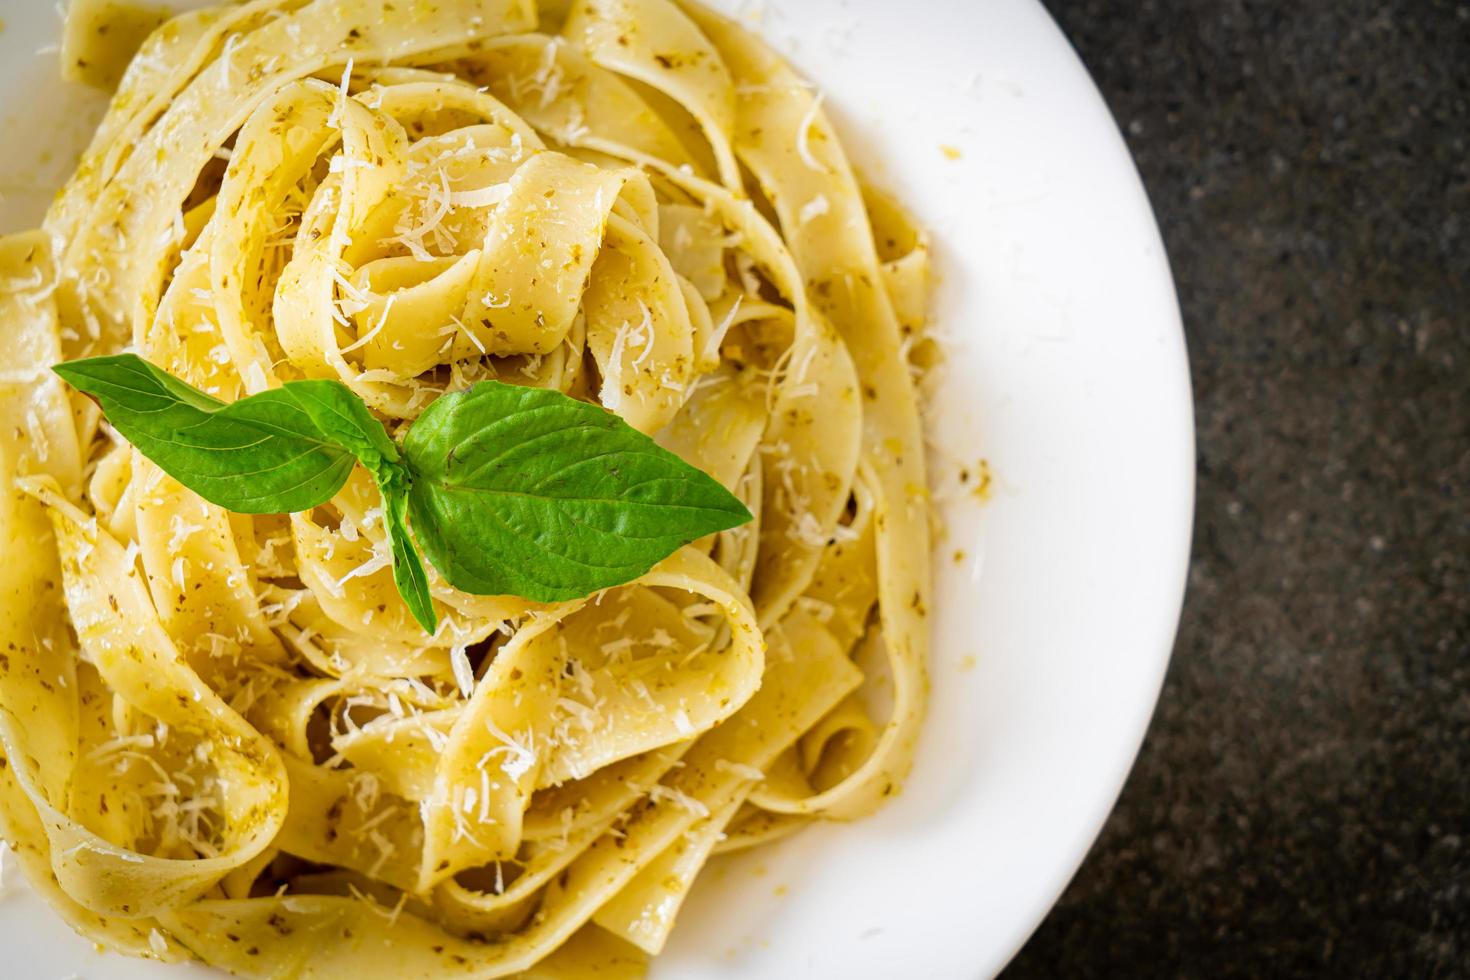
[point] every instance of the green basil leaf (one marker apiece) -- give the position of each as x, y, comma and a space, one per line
341, 416
526, 492
264, 454
408, 568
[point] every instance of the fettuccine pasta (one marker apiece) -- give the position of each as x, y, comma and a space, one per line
224, 736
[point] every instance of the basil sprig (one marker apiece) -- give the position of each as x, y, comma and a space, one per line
510, 490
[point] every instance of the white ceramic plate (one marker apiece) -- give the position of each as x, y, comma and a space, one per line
1069, 377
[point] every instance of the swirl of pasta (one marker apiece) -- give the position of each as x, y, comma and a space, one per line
225, 737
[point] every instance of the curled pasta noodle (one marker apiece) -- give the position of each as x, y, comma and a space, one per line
225, 737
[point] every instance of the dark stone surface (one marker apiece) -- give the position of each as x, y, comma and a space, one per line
1302, 803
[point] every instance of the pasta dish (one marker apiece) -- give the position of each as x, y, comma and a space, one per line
227, 735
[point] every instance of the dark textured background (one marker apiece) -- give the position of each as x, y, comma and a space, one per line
1302, 803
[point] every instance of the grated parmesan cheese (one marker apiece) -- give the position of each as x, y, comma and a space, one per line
367, 338
464, 674
661, 793
814, 209
548, 77
739, 769
484, 197
520, 756
804, 135
382, 557
339, 110
645, 335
